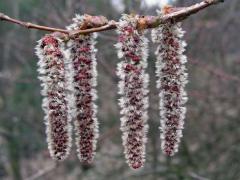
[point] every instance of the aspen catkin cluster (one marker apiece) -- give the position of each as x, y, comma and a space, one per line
132, 48
68, 74
82, 56
172, 78
52, 74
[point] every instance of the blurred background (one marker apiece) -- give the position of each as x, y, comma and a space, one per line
210, 148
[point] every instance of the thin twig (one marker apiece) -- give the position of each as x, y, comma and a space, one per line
43, 172
197, 177
187, 11
29, 25
148, 21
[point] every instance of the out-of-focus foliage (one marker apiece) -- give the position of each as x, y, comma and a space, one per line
211, 142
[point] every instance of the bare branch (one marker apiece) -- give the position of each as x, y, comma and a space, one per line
187, 11
43, 172
29, 25
178, 14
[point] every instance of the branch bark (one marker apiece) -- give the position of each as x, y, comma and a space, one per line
178, 14
43, 172
29, 25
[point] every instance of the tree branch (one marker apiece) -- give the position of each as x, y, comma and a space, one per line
29, 25
43, 172
102, 24
187, 11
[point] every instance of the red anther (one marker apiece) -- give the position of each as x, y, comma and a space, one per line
49, 40
136, 39
136, 58
129, 67
84, 60
85, 49
128, 29
121, 38
136, 165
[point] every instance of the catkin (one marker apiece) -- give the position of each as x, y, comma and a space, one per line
132, 49
52, 74
172, 79
82, 56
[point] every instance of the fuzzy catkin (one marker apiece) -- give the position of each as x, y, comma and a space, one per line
52, 74
132, 49
82, 56
172, 79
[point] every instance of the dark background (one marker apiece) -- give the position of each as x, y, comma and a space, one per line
210, 147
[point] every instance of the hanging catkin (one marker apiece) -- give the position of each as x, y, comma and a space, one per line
52, 74
132, 49
172, 78
82, 56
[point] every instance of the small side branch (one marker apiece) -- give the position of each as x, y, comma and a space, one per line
187, 11
176, 15
43, 172
29, 25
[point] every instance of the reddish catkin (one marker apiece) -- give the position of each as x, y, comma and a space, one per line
52, 74
82, 56
172, 78
132, 49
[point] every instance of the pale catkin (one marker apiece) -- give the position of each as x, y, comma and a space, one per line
172, 79
132, 48
83, 59
52, 73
